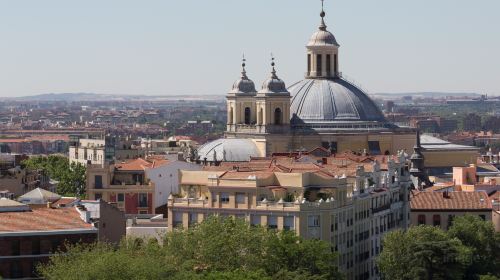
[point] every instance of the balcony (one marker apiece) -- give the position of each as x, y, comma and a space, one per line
381, 208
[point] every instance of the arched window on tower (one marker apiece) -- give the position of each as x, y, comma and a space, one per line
277, 116
247, 115
328, 65
319, 65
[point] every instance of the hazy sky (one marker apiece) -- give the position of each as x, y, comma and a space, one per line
195, 47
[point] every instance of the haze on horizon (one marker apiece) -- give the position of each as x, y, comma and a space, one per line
162, 47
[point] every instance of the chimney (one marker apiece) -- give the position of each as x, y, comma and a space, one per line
446, 194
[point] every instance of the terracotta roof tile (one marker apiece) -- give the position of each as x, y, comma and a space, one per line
454, 201
140, 164
42, 219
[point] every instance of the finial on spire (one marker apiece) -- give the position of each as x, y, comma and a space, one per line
243, 64
322, 26
273, 71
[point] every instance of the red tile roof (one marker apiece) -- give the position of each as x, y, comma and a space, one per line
453, 201
42, 219
140, 164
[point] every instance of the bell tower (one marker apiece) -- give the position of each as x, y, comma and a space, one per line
241, 108
273, 105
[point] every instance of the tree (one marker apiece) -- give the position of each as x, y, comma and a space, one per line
217, 248
482, 240
423, 252
71, 178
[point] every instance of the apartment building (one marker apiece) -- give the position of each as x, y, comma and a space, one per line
137, 186
102, 150
348, 200
30, 235
440, 208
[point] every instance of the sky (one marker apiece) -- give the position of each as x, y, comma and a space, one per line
166, 47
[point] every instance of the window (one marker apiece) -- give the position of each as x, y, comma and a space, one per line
247, 115
16, 270
15, 248
224, 197
450, 220
277, 116
55, 245
240, 197
328, 64
483, 217
177, 219
35, 246
436, 220
193, 218
374, 147
255, 221
313, 221
288, 223
143, 200
98, 181
333, 147
120, 197
319, 65
272, 222
97, 196
421, 219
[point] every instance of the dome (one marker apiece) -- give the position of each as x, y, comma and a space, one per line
274, 85
322, 38
228, 149
323, 101
243, 85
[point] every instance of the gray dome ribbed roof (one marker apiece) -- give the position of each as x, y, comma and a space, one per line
273, 85
243, 86
336, 100
228, 149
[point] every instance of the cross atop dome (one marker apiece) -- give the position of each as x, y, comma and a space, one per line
322, 26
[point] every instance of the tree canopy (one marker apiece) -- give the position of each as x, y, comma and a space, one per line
469, 250
217, 248
71, 177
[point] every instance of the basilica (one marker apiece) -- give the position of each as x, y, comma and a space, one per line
322, 110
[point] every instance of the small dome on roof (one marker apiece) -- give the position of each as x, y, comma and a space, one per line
322, 38
274, 85
243, 86
228, 149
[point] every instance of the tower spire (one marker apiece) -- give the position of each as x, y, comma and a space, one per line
322, 26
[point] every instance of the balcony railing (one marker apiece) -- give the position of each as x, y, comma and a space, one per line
381, 208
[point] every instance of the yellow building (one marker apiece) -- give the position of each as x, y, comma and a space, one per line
350, 201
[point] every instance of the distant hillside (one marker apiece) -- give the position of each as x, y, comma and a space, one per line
75, 97
429, 94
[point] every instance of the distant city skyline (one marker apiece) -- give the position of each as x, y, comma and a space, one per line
194, 47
